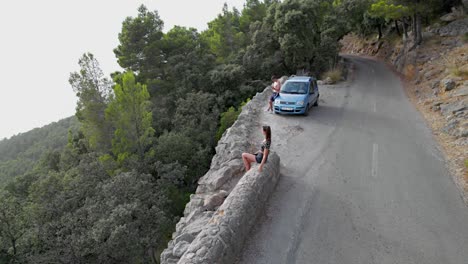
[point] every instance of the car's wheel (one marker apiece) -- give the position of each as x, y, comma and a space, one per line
306, 112
316, 102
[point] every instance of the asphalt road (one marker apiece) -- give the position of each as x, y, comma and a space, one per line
363, 181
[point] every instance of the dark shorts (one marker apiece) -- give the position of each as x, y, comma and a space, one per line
273, 97
259, 157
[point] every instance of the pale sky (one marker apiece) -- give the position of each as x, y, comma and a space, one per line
41, 42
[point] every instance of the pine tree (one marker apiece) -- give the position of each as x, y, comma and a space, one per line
94, 92
130, 112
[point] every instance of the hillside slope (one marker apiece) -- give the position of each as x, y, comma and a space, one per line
436, 75
20, 153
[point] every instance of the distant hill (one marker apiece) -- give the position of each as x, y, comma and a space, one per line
20, 153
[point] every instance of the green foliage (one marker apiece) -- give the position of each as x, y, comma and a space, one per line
406, 10
292, 20
84, 216
140, 44
295, 35
389, 10
254, 11
195, 114
130, 113
188, 60
228, 118
51, 161
130, 218
19, 154
176, 147
263, 57
231, 33
352, 11
13, 220
112, 191
224, 35
94, 92
226, 77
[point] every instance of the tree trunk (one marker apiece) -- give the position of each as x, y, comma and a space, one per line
418, 39
417, 31
153, 255
380, 31
311, 61
397, 28
413, 26
418, 35
405, 30
13, 244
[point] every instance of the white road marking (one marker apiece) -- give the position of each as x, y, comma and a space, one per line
374, 101
375, 161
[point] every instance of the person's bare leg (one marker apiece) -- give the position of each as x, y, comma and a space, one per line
247, 158
246, 163
270, 106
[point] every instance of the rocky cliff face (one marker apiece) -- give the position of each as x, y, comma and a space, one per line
213, 229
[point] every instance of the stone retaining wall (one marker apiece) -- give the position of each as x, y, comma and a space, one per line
214, 227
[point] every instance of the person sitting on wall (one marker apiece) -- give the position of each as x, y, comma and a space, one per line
260, 156
276, 87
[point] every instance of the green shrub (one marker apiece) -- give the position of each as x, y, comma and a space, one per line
228, 118
457, 71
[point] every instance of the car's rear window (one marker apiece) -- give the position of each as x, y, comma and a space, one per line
294, 88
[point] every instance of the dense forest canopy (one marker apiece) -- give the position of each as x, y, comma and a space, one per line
110, 188
20, 153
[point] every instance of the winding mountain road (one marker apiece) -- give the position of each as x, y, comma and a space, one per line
363, 181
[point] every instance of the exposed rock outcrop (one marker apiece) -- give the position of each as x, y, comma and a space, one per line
223, 236
214, 227
457, 13
455, 28
448, 84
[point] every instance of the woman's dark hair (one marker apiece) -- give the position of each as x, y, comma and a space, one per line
267, 130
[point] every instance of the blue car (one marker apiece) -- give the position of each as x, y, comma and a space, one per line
297, 95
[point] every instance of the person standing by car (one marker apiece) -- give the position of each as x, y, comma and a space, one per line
276, 87
260, 156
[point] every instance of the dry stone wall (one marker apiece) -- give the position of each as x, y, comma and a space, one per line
227, 201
